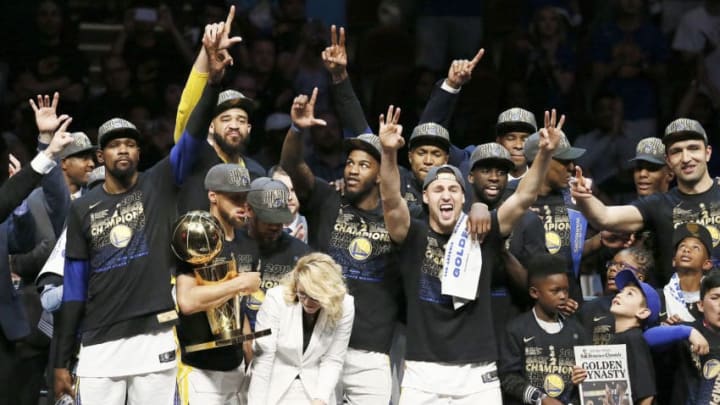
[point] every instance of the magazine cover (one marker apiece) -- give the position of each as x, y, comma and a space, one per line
608, 381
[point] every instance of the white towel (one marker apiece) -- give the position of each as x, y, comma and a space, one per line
674, 300
462, 265
55, 263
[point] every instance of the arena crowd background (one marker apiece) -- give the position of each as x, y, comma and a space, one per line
615, 67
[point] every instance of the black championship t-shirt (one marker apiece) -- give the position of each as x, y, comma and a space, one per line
532, 356
696, 380
598, 321
195, 328
663, 212
126, 240
412, 193
640, 365
273, 263
553, 212
360, 243
436, 332
193, 195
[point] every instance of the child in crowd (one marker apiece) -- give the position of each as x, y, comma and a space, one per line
681, 295
595, 315
536, 360
696, 359
635, 307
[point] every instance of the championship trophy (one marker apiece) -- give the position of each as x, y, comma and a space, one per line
197, 239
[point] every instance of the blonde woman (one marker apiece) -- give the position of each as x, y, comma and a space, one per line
310, 314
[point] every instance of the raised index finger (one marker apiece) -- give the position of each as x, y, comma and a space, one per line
230, 17
477, 57
313, 97
333, 35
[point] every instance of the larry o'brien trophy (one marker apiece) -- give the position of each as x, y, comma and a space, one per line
197, 239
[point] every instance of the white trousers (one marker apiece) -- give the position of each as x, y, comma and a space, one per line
207, 387
366, 378
152, 388
412, 396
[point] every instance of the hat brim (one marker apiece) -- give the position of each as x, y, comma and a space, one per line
434, 140
648, 158
570, 153
514, 126
682, 136
246, 104
89, 149
274, 215
506, 164
118, 133
652, 298
353, 143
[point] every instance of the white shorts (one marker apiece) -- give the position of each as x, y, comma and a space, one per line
366, 378
207, 387
153, 388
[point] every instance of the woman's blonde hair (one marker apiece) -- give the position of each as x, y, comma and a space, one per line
322, 280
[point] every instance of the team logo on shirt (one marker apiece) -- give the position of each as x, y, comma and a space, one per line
552, 242
120, 235
360, 248
711, 369
553, 385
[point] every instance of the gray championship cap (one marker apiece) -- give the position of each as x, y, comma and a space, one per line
229, 99
650, 150
491, 153
369, 143
444, 172
80, 144
227, 178
515, 120
97, 176
564, 150
116, 128
269, 201
430, 133
683, 129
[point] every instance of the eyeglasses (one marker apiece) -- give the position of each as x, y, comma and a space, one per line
304, 297
621, 266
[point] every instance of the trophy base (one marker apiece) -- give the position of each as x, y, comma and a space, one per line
232, 340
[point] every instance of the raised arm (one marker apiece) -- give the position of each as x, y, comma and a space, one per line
513, 208
198, 77
302, 113
618, 218
347, 105
442, 101
19, 186
57, 194
395, 209
182, 155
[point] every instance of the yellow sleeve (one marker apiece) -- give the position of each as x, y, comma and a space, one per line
190, 96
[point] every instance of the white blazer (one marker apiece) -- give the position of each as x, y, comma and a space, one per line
279, 357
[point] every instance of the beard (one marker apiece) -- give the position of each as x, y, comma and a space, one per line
356, 196
124, 176
233, 151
